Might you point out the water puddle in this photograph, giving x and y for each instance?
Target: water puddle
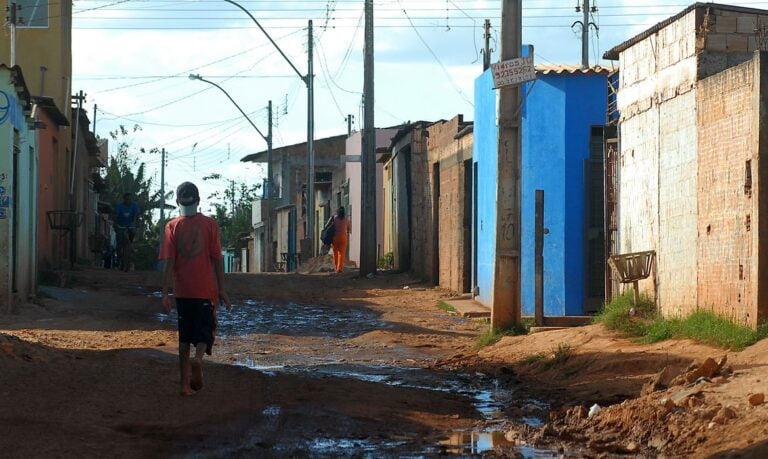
(489, 399)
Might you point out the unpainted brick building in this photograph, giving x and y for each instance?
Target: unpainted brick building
(689, 124)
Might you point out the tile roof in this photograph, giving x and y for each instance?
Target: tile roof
(571, 70)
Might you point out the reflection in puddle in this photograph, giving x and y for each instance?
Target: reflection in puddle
(473, 442)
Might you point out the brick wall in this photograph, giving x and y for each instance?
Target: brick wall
(447, 151)
(727, 204)
(677, 187)
(421, 206)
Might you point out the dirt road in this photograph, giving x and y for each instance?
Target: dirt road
(306, 365)
(325, 365)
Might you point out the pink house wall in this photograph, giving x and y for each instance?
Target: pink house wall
(353, 148)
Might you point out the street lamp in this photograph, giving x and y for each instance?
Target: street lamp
(267, 138)
(309, 81)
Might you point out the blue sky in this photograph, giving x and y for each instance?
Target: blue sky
(132, 58)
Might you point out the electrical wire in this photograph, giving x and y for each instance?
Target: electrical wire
(447, 74)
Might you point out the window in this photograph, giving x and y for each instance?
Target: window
(323, 177)
(32, 13)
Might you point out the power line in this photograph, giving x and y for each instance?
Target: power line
(447, 74)
(186, 72)
(148, 77)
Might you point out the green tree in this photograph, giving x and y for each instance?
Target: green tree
(232, 209)
(127, 174)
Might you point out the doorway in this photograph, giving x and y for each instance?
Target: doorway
(466, 227)
(436, 223)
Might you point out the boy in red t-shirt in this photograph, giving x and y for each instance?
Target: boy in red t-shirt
(192, 252)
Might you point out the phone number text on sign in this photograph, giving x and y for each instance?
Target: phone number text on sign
(513, 72)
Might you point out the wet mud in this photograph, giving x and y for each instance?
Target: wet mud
(268, 337)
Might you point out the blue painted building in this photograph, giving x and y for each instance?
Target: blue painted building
(563, 118)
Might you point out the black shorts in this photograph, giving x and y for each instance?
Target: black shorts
(197, 322)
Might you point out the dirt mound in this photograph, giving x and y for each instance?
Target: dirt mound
(13, 348)
(682, 413)
(321, 264)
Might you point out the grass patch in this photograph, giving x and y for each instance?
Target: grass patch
(445, 306)
(644, 322)
(493, 335)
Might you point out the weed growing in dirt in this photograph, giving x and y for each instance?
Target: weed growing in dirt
(561, 354)
(533, 358)
(445, 306)
(702, 326)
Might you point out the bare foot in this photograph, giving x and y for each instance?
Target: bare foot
(186, 392)
(196, 380)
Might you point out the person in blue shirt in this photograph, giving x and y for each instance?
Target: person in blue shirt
(126, 216)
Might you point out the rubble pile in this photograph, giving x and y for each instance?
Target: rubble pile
(672, 416)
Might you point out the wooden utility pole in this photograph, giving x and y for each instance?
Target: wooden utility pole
(368, 160)
(506, 309)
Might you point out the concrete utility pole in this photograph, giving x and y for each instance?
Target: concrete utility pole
(309, 80)
(585, 9)
(95, 112)
(13, 21)
(585, 35)
(487, 49)
(310, 236)
(80, 98)
(269, 191)
(506, 310)
(368, 161)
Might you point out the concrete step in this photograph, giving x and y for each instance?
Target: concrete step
(469, 308)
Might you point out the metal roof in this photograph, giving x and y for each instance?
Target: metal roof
(613, 54)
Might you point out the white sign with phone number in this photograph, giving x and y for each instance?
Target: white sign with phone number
(513, 72)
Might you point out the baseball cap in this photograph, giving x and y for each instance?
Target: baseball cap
(187, 197)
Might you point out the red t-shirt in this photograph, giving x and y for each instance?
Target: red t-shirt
(194, 245)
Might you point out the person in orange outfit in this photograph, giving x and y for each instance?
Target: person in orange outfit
(340, 238)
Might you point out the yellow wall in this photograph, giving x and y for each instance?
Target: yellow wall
(50, 47)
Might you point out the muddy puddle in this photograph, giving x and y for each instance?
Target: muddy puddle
(250, 323)
(487, 397)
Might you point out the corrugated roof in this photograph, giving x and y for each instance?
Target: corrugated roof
(613, 54)
(571, 70)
